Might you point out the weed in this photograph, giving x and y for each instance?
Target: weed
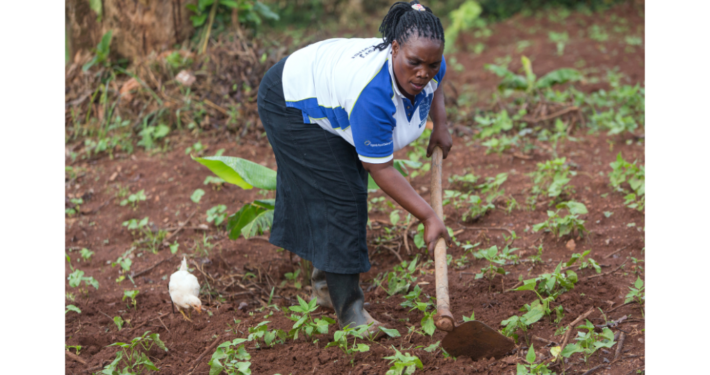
(292, 277)
(584, 261)
(589, 342)
(132, 294)
(151, 134)
(403, 364)
(305, 323)
(197, 195)
(551, 284)
(235, 358)
(76, 277)
(132, 356)
(70, 296)
(515, 323)
(133, 199)
(400, 278)
(495, 260)
(72, 308)
(102, 51)
(217, 214)
(597, 33)
(552, 177)
(86, 254)
(511, 204)
(561, 226)
(216, 182)
(635, 176)
(119, 322)
(529, 83)
(203, 249)
(76, 348)
(467, 180)
(531, 368)
(636, 292)
(537, 258)
(270, 338)
(198, 148)
(340, 340)
(560, 40)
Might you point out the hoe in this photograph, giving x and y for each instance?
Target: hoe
(473, 339)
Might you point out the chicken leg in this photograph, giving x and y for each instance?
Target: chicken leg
(183, 315)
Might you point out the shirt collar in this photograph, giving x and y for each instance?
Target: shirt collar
(395, 88)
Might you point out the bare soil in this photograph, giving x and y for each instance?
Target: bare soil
(170, 178)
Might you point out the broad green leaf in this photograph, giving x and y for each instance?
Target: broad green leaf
(394, 217)
(119, 322)
(428, 325)
(639, 283)
(535, 314)
(389, 332)
(197, 195)
(555, 351)
(253, 217)
(75, 278)
(571, 349)
(73, 308)
(559, 76)
(528, 285)
(530, 357)
(576, 208)
(241, 172)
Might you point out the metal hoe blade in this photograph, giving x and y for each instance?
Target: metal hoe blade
(476, 340)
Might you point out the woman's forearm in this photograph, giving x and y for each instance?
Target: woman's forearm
(397, 187)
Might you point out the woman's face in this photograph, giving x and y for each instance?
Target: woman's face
(416, 62)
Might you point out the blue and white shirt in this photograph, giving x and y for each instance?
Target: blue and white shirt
(348, 88)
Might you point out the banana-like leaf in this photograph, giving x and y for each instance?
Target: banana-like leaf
(254, 217)
(241, 172)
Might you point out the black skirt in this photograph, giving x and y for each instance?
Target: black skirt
(321, 186)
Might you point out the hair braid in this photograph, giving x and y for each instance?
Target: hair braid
(402, 20)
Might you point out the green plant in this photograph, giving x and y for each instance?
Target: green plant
(531, 368)
(197, 147)
(560, 40)
(254, 217)
(72, 308)
(102, 51)
(305, 323)
(132, 294)
(76, 277)
(77, 348)
(636, 292)
(270, 338)
(561, 226)
(235, 358)
(552, 177)
(217, 214)
(133, 199)
(635, 176)
(462, 19)
(589, 342)
(529, 83)
(151, 134)
(400, 278)
(514, 324)
(197, 195)
(551, 284)
(584, 261)
(537, 258)
(86, 254)
(598, 34)
(132, 356)
(292, 277)
(496, 261)
(119, 322)
(403, 364)
(340, 340)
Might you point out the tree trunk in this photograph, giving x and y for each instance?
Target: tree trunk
(139, 26)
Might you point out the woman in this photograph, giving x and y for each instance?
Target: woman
(335, 111)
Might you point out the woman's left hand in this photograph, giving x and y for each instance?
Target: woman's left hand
(439, 137)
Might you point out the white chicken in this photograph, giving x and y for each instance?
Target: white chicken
(185, 290)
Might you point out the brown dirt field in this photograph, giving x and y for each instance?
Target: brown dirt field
(170, 178)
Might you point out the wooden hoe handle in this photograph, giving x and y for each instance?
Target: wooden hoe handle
(443, 319)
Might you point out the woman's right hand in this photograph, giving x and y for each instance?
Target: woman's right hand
(434, 228)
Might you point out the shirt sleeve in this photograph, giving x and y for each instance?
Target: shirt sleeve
(372, 120)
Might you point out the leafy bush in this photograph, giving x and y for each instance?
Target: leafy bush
(230, 357)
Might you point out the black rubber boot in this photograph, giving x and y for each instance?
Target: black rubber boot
(320, 288)
(348, 301)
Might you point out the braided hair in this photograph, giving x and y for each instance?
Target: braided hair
(403, 19)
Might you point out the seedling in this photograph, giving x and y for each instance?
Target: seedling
(215, 182)
(560, 40)
(495, 260)
(531, 368)
(552, 178)
(623, 171)
(198, 148)
(72, 308)
(400, 278)
(305, 323)
(551, 284)
(86, 254)
(77, 202)
(197, 195)
(589, 342)
(76, 348)
(119, 322)
(515, 323)
(537, 258)
(132, 294)
(124, 261)
(293, 277)
(132, 356)
(217, 214)
(637, 292)
(584, 262)
(235, 358)
(76, 277)
(340, 339)
(403, 364)
(561, 226)
(133, 199)
(270, 338)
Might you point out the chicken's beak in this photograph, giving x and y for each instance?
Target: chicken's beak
(199, 309)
